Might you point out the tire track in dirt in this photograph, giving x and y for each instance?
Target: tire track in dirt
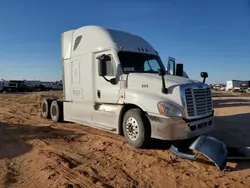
(12, 175)
(104, 157)
(86, 168)
(59, 166)
(78, 164)
(105, 150)
(63, 165)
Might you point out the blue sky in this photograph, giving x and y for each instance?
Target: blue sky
(212, 35)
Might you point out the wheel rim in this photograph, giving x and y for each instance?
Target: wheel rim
(54, 111)
(132, 128)
(44, 108)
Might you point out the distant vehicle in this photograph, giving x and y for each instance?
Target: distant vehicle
(29, 85)
(116, 81)
(248, 90)
(2, 84)
(244, 88)
(15, 86)
(235, 85)
(222, 88)
(216, 87)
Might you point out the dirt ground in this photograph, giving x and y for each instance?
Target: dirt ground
(35, 155)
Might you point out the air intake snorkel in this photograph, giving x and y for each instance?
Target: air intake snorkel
(162, 73)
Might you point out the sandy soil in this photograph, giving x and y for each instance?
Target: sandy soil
(34, 154)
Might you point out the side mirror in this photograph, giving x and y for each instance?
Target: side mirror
(102, 68)
(204, 75)
(179, 69)
(171, 66)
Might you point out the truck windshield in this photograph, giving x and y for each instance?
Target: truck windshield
(139, 62)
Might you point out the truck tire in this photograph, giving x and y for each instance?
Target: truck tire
(56, 111)
(136, 128)
(45, 108)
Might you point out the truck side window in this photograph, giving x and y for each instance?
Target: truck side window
(110, 63)
(77, 41)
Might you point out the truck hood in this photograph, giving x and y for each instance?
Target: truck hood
(150, 81)
(144, 90)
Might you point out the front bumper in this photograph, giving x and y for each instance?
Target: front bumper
(176, 128)
(210, 147)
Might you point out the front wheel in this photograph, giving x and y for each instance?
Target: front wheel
(136, 128)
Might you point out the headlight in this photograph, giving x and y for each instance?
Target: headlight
(167, 109)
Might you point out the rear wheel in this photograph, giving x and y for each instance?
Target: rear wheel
(45, 108)
(56, 111)
(136, 128)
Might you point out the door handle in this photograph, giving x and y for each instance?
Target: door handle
(98, 93)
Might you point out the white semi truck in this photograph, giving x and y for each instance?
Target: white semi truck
(116, 81)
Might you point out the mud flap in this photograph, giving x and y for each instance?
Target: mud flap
(210, 147)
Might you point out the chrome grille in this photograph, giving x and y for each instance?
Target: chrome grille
(198, 101)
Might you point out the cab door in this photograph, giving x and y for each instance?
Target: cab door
(105, 90)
